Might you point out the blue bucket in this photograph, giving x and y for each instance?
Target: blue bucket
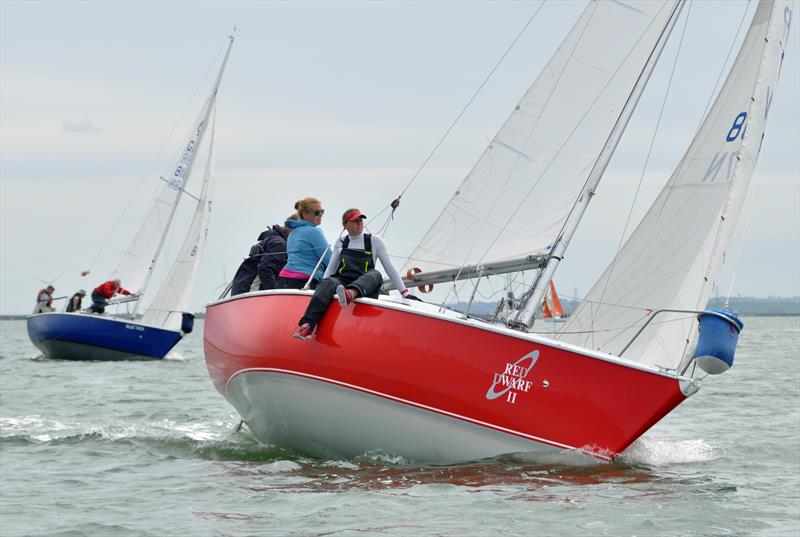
(716, 344)
(187, 323)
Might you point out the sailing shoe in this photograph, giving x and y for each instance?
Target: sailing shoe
(344, 296)
(305, 332)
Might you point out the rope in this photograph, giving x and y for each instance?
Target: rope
(396, 202)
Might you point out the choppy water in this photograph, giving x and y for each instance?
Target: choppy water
(138, 449)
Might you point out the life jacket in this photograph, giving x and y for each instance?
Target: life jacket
(353, 263)
(70, 304)
(44, 294)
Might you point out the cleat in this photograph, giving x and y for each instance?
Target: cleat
(305, 332)
(344, 296)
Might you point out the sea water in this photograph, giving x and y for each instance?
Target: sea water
(150, 449)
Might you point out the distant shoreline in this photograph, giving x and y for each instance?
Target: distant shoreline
(743, 306)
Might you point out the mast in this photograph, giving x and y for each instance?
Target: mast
(539, 288)
(183, 168)
(172, 298)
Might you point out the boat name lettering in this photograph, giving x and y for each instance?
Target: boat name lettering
(134, 327)
(512, 380)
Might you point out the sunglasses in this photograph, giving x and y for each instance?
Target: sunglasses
(319, 212)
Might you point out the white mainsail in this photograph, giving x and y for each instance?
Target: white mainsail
(675, 254)
(136, 266)
(175, 293)
(518, 196)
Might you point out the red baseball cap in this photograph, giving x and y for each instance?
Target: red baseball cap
(351, 215)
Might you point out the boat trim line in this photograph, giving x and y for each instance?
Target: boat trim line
(412, 404)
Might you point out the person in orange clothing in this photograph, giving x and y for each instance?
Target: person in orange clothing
(104, 292)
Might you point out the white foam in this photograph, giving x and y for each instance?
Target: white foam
(666, 452)
(25, 425)
(280, 467)
(175, 355)
(342, 464)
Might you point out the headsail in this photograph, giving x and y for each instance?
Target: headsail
(673, 257)
(516, 199)
(137, 264)
(175, 293)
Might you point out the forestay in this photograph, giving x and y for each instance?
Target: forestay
(175, 293)
(514, 202)
(675, 254)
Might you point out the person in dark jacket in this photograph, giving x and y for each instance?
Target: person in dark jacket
(75, 301)
(259, 271)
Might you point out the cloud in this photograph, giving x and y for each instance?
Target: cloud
(82, 126)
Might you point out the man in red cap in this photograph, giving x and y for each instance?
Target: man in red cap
(351, 272)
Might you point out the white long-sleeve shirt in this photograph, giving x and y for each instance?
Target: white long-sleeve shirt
(378, 251)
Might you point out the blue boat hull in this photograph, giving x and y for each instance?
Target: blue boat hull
(78, 336)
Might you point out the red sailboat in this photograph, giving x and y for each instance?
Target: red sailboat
(437, 385)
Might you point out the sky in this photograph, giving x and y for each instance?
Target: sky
(338, 100)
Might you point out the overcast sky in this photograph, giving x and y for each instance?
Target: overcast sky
(338, 100)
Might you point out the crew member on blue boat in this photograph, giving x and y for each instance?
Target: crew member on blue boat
(351, 273)
(259, 271)
(75, 301)
(309, 251)
(105, 292)
(44, 300)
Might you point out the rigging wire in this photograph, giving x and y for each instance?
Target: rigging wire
(546, 169)
(593, 314)
(395, 203)
(745, 232)
(145, 178)
(649, 154)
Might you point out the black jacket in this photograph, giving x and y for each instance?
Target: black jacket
(267, 258)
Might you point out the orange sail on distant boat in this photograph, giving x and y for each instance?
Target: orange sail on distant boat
(552, 305)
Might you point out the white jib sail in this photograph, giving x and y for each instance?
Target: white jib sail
(675, 254)
(175, 293)
(516, 199)
(137, 263)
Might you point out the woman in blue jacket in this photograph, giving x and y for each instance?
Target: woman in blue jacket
(306, 245)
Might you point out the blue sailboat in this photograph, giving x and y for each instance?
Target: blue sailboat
(88, 336)
(80, 336)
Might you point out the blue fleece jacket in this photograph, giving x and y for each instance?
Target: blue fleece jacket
(306, 244)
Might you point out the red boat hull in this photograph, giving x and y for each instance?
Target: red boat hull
(512, 386)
